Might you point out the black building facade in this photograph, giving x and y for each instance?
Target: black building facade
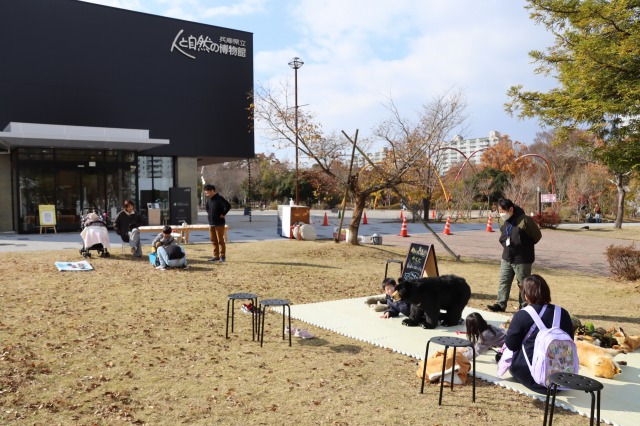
(98, 104)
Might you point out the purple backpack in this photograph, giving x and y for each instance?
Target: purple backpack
(554, 351)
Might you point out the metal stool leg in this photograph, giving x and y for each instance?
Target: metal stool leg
(289, 308)
(262, 314)
(424, 368)
(546, 405)
(283, 324)
(442, 374)
(453, 369)
(254, 307)
(233, 313)
(553, 403)
(474, 373)
(598, 408)
(226, 335)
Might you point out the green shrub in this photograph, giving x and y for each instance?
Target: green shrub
(624, 262)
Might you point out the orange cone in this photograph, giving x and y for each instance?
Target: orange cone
(364, 219)
(401, 217)
(326, 221)
(489, 225)
(433, 214)
(447, 226)
(403, 231)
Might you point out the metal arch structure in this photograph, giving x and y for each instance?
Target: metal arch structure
(546, 162)
(467, 161)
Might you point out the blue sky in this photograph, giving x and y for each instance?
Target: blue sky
(360, 53)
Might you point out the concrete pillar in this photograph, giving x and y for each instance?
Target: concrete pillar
(6, 214)
(186, 176)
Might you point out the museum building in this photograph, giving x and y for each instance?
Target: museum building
(99, 104)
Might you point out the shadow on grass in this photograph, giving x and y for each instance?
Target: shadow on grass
(303, 265)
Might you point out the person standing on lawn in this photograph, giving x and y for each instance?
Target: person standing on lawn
(217, 208)
(518, 236)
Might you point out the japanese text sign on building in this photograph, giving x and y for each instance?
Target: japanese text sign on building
(189, 45)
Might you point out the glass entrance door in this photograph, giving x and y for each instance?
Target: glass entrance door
(68, 201)
(78, 192)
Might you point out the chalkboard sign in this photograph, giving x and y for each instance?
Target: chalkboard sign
(421, 261)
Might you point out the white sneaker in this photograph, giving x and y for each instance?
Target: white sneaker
(161, 268)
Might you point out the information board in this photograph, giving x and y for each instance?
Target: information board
(420, 262)
(180, 205)
(47, 215)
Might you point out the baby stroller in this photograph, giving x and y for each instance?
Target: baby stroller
(95, 236)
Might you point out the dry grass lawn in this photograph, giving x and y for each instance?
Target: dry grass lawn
(129, 344)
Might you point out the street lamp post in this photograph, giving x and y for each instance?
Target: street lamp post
(296, 63)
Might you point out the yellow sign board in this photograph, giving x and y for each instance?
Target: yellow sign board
(47, 215)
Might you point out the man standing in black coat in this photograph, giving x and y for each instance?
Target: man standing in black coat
(217, 208)
(518, 235)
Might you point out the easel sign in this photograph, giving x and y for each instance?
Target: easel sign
(47, 215)
(420, 262)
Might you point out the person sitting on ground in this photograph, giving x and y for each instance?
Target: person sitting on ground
(482, 335)
(163, 239)
(394, 308)
(126, 226)
(536, 293)
(171, 256)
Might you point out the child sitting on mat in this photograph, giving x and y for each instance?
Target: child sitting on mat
(394, 308)
(482, 335)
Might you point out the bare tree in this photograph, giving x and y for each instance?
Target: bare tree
(409, 145)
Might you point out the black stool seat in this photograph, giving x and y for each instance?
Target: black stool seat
(231, 300)
(573, 382)
(447, 342)
(263, 307)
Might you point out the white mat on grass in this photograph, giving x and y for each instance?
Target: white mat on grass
(620, 398)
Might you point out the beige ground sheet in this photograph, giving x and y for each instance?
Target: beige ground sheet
(352, 318)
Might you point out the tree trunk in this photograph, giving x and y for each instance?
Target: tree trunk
(620, 186)
(426, 206)
(358, 209)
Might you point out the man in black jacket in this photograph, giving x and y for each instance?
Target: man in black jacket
(217, 208)
(518, 235)
(126, 225)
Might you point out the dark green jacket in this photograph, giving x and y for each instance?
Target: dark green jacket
(523, 234)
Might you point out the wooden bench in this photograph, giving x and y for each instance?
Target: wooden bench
(183, 230)
(186, 229)
(177, 233)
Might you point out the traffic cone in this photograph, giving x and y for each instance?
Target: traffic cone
(364, 219)
(489, 225)
(433, 214)
(403, 231)
(447, 226)
(401, 217)
(339, 214)
(326, 221)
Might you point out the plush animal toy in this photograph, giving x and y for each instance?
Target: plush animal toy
(626, 342)
(377, 303)
(599, 360)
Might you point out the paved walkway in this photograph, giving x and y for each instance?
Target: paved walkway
(557, 249)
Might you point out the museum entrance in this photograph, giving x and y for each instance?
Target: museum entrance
(76, 182)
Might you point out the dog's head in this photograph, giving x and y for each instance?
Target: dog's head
(605, 367)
